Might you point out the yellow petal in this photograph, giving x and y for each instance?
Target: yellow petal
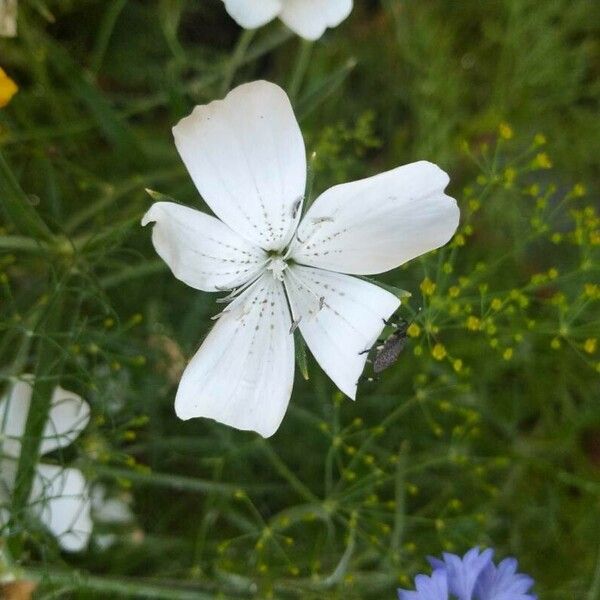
(8, 88)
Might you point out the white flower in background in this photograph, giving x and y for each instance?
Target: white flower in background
(8, 18)
(246, 156)
(59, 496)
(109, 512)
(308, 18)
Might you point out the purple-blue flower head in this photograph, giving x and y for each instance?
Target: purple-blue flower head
(472, 577)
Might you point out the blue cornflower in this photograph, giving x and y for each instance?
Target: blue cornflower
(472, 577)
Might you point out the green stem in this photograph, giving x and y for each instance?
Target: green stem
(400, 510)
(178, 482)
(107, 26)
(114, 587)
(594, 591)
(150, 267)
(299, 71)
(237, 59)
(17, 207)
(18, 242)
(287, 474)
(43, 386)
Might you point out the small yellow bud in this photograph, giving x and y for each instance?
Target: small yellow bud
(457, 365)
(539, 139)
(590, 345)
(506, 132)
(508, 354)
(542, 161)
(439, 352)
(473, 323)
(413, 330)
(427, 287)
(496, 304)
(555, 344)
(474, 204)
(454, 291)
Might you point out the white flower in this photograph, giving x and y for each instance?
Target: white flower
(246, 156)
(308, 18)
(59, 496)
(8, 18)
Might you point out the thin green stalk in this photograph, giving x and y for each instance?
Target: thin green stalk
(178, 482)
(16, 205)
(107, 26)
(18, 243)
(150, 267)
(302, 60)
(400, 510)
(114, 193)
(167, 590)
(48, 364)
(287, 474)
(594, 591)
(237, 59)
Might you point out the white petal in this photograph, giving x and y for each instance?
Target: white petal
(242, 375)
(68, 417)
(200, 250)
(109, 509)
(376, 224)
(310, 18)
(251, 14)
(60, 499)
(340, 316)
(246, 156)
(14, 408)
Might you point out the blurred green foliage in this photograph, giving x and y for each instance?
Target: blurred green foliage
(487, 431)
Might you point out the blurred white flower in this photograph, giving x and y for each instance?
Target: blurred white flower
(246, 156)
(8, 18)
(59, 496)
(112, 513)
(308, 18)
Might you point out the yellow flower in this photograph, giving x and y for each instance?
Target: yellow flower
(473, 323)
(505, 131)
(439, 352)
(542, 161)
(427, 287)
(8, 88)
(590, 345)
(413, 330)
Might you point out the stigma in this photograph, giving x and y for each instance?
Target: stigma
(277, 266)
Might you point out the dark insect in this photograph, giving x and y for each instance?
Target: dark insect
(388, 351)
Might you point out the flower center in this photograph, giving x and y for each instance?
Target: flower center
(277, 266)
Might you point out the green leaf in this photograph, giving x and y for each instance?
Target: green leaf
(300, 349)
(159, 196)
